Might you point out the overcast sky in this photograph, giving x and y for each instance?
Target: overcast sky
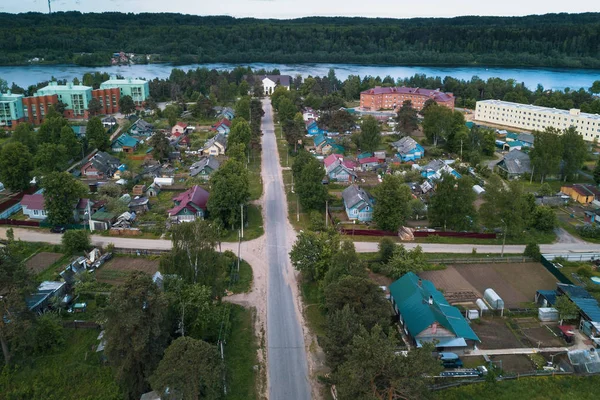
(300, 8)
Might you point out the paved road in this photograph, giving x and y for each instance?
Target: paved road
(288, 370)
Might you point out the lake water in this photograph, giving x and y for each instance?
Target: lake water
(549, 78)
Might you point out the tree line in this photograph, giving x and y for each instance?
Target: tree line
(553, 40)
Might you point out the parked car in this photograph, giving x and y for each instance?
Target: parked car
(58, 229)
(451, 360)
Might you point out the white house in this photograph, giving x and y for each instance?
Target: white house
(271, 81)
(33, 206)
(215, 146)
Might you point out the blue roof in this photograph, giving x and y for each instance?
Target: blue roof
(412, 294)
(126, 141)
(319, 139)
(583, 299)
(549, 295)
(365, 155)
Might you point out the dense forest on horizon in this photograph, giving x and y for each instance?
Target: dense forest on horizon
(552, 40)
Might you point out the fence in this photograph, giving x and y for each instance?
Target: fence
(80, 325)
(500, 378)
(375, 232)
(482, 260)
(554, 271)
(10, 211)
(16, 222)
(140, 252)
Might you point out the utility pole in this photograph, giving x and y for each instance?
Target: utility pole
(297, 208)
(242, 224)
(503, 239)
(326, 214)
(49, 6)
(531, 179)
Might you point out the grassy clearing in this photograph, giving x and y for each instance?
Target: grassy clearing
(256, 184)
(254, 229)
(315, 317)
(51, 273)
(550, 388)
(240, 355)
(244, 282)
(73, 372)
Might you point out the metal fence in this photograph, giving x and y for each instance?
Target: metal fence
(482, 260)
(505, 377)
(554, 271)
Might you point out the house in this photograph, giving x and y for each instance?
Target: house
(332, 159)
(141, 128)
(312, 128)
(205, 167)
(325, 145)
(435, 168)
(223, 127)
(358, 204)
(153, 190)
(33, 206)
(82, 208)
(138, 190)
(514, 164)
(181, 128)
(582, 193)
(79, 130)
(102, 220)
(125, 144)
(270, 82)
(426, 316)
(338, 172)
(47, 291)
(72, 272)
(368, 163)
(308, 114)
(139, 205)
(407, 149)
(215, 146)
(526, 138)
(100, 166)
(189, 205)
(124, 221)
(109, 122)
(224, 112)
(152, 171)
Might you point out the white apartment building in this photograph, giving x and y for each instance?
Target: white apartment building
(536, 118)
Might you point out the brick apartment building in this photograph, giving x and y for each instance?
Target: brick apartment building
(389, 98)
(109, 99)
(36, 107)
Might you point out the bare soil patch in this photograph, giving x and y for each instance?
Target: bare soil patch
(495, 334)
(41, 261)
(455, 287)
(116, 271)
(514, 363)
(537, 333)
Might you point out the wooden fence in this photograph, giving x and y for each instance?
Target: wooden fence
(17, 222)
(375, 232)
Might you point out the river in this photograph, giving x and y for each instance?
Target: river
(549, 78)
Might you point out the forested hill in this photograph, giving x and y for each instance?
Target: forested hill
(553, 40)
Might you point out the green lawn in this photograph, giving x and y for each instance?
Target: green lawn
(51, 273)
(256, 185)
(240, 355)
(547, 388)
(315, 316)
(254, 229)
(72, 372)
(244, 282)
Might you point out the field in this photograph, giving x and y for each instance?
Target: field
(515, 283)
(115, 271)
(41, 261)
(494, 333)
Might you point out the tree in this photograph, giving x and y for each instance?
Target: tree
(96, 135)
(374, 369)
(230, 189)
(370, 134)
(532, 250)
(595, 87)
(312, 194)
(69, 140)
(345, 262)
(203, 108)
(597, 172)
(242, 107)
(160, 146)
(126, 105)
(407, 118)
(544, 219)
(404, 261)
(16, 165)
(198, 314)
(135, 331)
(312, 253)
(574, 152)
(427, 105)
(566, 308)
(546, 153)
(545, 190)
(24, 134)
(50, 158)
(340, 329)
(172, 113)
(61, 192)
(75, 241)
(392, 199)
(50, 130)
(237, 151)
(451, 206)
(437, 123)
(94, 106)
(294, 131)
(386, 249)
(286, 109)
(190, 369)
(240, 132)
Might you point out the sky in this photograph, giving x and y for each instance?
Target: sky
(300, 8)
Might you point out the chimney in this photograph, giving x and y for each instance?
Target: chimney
(430, 300)
(420, 282)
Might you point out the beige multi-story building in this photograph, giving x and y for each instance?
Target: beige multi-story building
(536, 118)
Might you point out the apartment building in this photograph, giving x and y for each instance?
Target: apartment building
(76, 98)
(391, 98)
(536, 118)
(11, 110)
(138, 89)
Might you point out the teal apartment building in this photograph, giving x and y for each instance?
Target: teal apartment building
(138, 89)
(11, 109)
(76, 97)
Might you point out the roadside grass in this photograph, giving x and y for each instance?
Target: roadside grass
(73, 372)
(240, 355)
(315, 316)
(244, 282)
(254, 170)
(255, 228)
(547, 387)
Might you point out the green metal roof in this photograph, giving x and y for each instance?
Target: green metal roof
(364, 155)
(126, 141)
(102, 216)
(412, 301)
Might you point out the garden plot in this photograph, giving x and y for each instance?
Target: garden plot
(116, 271)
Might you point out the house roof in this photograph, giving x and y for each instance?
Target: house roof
(526, 138)
(413, 296)
(138, 201)
(195, 195)
(33, 201)
(516, 162)
(585, 190)
(332, 159)
(339, 164)
(354, 195)
(109, 120)
(210, 162)
(126, 141)
(434, 165)
(224, 121)
(436, 94)
(364, 155)
(583, 299)
(218, 138)
(284, 80)
(104, 162)
(82, 204)
(181, 124)
(368, 160)
(405, 145)
(103, 216)
(318, 139)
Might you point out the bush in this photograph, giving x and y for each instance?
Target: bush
(585, 272)
(386, 249)
(75, 241)
(317, 222)
(532, 250)
(588, 231)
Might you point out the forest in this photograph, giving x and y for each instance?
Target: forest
(552, 40)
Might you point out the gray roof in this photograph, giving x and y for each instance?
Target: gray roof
(526, 137)
(104, 162)
(109, 119)
(210, 162)
(339, 163)
(284, 80)
(405, 145)
(354, 195)
(434, 165)
(143, 125)
(516, 162)
(218, 138)
(138, 201)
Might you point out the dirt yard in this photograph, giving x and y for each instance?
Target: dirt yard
(115, 271)
(41, 261)
(516, 363)
(537, 333)
(495, 334)
(515, 283)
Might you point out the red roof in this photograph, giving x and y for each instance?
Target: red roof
(349, 164)
(434, 94)
(586, 190)
(224, 121)
(567, 330)
(195, 195)
(182, 124)
(369, 160)
(33, 201)
(331, 159)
